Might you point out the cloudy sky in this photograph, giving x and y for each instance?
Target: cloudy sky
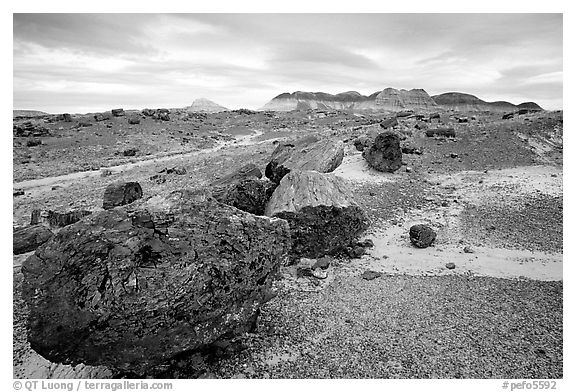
(91, 62)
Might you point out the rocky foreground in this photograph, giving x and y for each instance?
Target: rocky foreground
(482, 300)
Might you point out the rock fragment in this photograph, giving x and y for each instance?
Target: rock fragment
(29, 238)
(384, 154)
(323, 218)
(370, 275)
(131, 289)
(307, 153)
(121, 193)
(422, 236)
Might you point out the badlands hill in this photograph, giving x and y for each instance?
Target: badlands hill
(390, 99)
(203, 105)
(468, 102)
(387, 99)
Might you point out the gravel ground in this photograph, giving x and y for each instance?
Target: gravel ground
(395, 326)
(19, 340)
(407, 327)
(531, 222)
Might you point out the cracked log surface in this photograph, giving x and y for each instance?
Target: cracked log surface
(57, 219)
(26, 239)
(132, 287)
(244, 189)
(319, 207)
(307, 153)
(384, 154)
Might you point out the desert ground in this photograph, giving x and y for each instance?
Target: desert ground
(494, 190)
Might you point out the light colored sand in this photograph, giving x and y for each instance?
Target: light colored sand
(355, 168)
(524, 179)
(34, 366)
(393, 253)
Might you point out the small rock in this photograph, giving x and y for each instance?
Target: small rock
(130, 152)
(468, 249)
(370, 275)
(102, 116)
(319, 274)
(450, 265)
(389, 123)
(367, 243)
(18, 192)
(422, 236)
(453, 155)
(118, 112)
(322, 263)
(408, 169)
(121, 193)
(158, 178)
(306, 263)
(179, 170)
(355, 252)
(33, 142)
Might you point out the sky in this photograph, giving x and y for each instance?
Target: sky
(81, 63)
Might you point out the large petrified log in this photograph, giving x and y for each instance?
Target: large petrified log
(121, 193)
(323, 218)
(384, 154)
(244, 189)
(132, 287)
(26, 239)
(307, 153)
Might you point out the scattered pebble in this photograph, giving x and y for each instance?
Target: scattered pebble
(450, 265)
(322, 263)
(370, 275)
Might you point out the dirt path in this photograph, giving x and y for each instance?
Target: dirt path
(44, 184)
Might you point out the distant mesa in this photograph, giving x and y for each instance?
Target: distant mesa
(389, 99)
(203, 105)
(467, 102)
(28, 113)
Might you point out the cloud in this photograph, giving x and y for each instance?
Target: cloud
(87, 33)
(310, 53)
(243, 60)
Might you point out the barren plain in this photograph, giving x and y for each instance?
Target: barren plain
(493, 194)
